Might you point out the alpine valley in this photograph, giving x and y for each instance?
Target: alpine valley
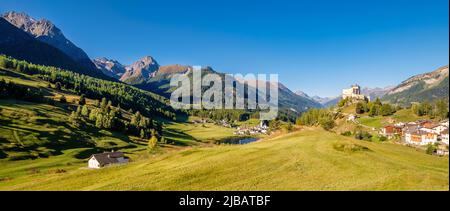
(69, 122)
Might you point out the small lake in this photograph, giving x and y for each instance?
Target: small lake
(240, 141)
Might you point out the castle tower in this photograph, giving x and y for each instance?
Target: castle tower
(356, 89)
(354, 92)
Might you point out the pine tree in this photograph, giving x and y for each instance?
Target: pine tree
(74, 118)
(99, 121)
(79, 110)
(103, 104)
(85, 111)
(82, 100)
(378, 102)
(58, 86)
(374, 110)
(441, 109)
(96, 103)
(62, 99)
(152, 143)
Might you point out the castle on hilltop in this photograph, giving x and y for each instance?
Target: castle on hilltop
(353, 93)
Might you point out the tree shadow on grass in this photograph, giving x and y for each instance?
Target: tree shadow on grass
(173, 135)
(59, 140)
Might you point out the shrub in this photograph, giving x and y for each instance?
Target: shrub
(363, 135)
(59, 171)
(431, 149)
(288, 127)
(327, 123)
(382, 138)
(34, 171)
(346, 133)
(360, 108)
(349, 147)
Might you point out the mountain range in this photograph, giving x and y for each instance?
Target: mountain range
(145, 73)
(423, 87)
(41, 42)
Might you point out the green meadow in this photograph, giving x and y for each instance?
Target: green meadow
(309, 159)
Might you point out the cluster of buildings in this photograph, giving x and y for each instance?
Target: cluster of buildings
(224, 123)
(199, 121)
(262, 128)
(420, 133)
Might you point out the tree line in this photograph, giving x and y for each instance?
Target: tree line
(375, 108)
(121, 94)
(317, 117)
(104, 115)
(9, 89)
(438, 109)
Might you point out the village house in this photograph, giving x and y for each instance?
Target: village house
(199, 121)
(391, 131)
(262, 128)
(420, 133)
(101, 160)
(224, 123)
(439, 128)
(442, 150)
(444, 136)
(351, 118)
(420, 137)
(425, 123)
(410, 127)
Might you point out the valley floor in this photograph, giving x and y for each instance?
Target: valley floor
(311, 159)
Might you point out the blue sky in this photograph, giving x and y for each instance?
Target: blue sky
(316, 46)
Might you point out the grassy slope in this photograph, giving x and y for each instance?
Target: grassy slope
(404, 115)
(189, 133)
(30, 130)
(305, 160)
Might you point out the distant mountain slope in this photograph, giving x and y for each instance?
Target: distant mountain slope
(45, 31)
(376, 92)
(330, 101)
(110, 67)
(290, 100)
(424, 87)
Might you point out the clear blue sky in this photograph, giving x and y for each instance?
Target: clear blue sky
(316, 46)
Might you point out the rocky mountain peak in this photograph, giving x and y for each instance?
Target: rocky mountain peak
(45, 31)
(110, 67)
(32, 26)
(140, 70)
(146, 63)
(302, 94)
